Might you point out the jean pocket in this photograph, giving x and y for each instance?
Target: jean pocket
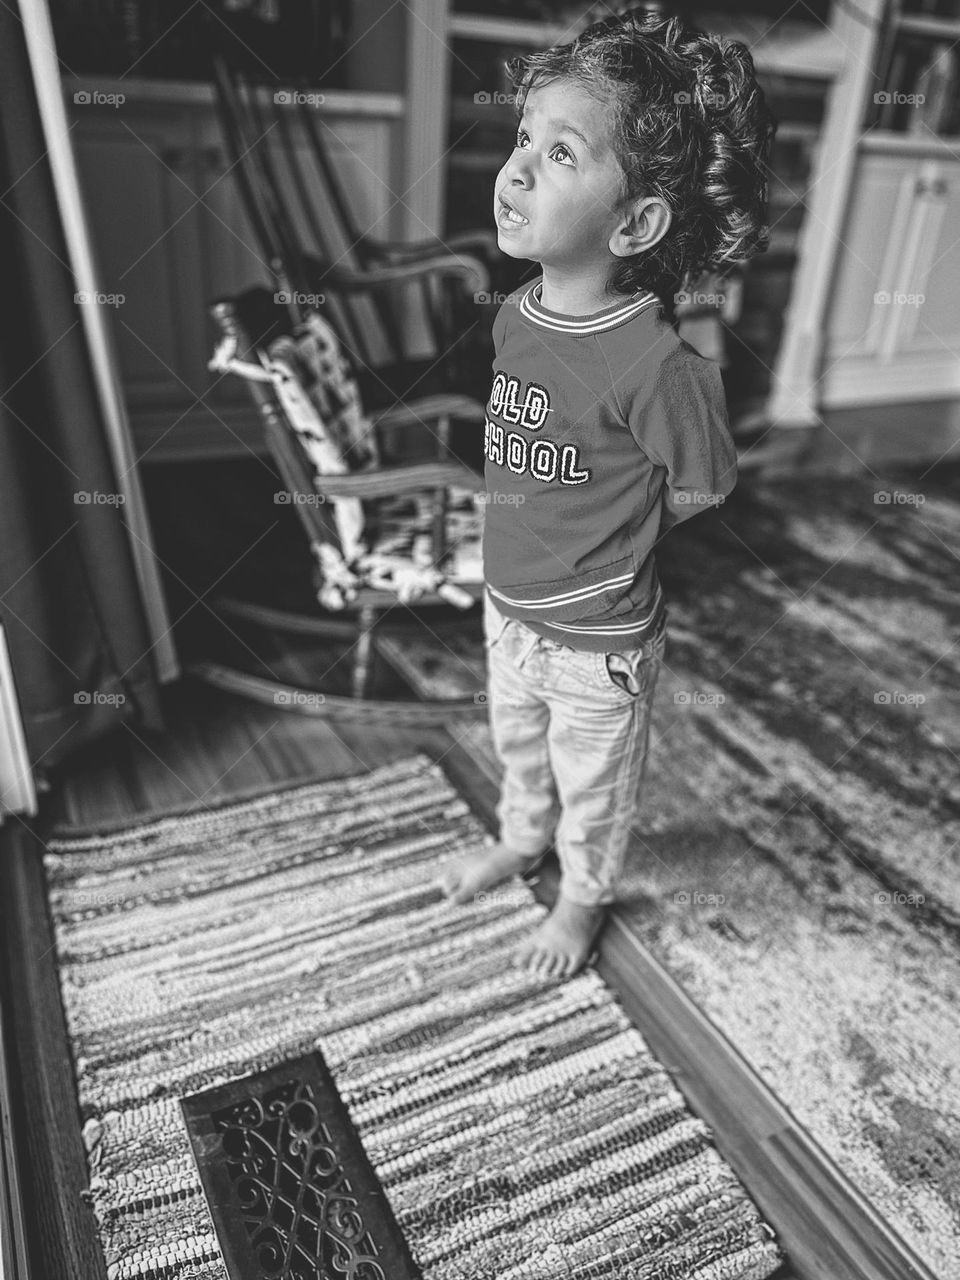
(628, 673)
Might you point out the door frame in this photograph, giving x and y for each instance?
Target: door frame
(41, 51)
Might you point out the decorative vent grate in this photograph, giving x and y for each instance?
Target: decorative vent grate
(290, 1189)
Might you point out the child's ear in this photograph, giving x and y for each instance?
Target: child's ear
(642, 225)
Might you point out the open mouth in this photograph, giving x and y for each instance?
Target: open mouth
(509, 216)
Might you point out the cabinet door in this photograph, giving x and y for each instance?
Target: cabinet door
(869, 260)
(135, 165)
(928, 321)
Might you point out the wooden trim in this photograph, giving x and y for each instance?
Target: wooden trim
(14, 1255)
(41, 51)
(336, 102)
(780, 48)
(799, 359)
(824, 1225)
(61, 1229)
(887, 142)
(919, 24)
(931, 376)
(17, 791)
(427, 112)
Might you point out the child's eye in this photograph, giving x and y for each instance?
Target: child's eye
(560, 146)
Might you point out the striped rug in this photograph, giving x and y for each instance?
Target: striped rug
(521, 1129)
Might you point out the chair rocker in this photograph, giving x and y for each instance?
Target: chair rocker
(381, 536)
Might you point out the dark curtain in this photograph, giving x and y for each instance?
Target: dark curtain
(69, 597)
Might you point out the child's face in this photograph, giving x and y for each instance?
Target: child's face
(566, 187)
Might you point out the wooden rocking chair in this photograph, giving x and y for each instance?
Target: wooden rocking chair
(382, 297)
(380, 535)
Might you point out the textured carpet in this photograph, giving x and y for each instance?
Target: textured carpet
(520, 1129)
(796, 865)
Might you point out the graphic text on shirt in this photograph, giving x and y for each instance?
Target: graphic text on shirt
(543, 459)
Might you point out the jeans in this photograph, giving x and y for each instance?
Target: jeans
(571, 730)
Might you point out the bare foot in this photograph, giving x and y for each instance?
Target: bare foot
(561, 945)
(474, 872)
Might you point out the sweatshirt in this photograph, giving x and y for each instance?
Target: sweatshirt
(602, 431)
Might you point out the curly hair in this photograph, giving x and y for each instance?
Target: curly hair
(690, 126)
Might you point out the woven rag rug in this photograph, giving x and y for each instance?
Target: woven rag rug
(519, 1128)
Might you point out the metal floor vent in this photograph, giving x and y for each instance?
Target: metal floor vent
(289, 1186)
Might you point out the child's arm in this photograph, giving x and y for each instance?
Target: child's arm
(684, 428)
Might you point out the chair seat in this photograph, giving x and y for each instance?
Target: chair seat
(401, 527)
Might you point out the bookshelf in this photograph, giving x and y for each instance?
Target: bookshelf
(168, 39)
(918, 71)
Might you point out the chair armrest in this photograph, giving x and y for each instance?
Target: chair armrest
(429, 409)
(485, 241)
(470, 271)
(384, 482)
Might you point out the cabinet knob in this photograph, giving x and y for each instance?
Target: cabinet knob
(931, 187)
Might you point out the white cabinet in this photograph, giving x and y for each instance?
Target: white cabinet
(893, 327)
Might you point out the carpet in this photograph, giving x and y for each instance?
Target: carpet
(520, 1129)
(797, 856)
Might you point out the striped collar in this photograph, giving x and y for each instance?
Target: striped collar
(583, 326)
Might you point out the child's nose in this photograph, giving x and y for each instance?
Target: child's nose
(518, 168)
